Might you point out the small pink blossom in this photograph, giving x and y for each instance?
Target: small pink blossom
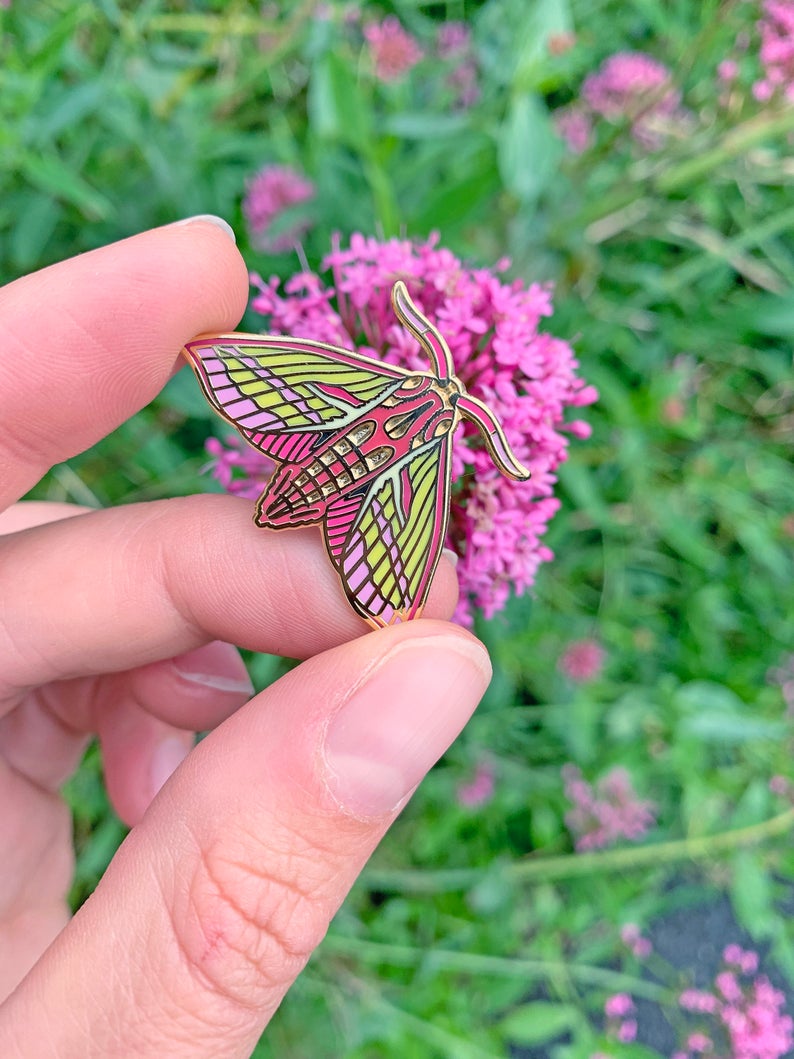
(698, 1000)
(574, 125)
(699, 1042)
(274, 189)
(454, 46)
(582, 661)
(453, 40)
(603, 814)
(632, 938)
(560, 43)
(627, 1031)
(636, 87)
(393, 51)
(618, 1006)
(479, 790)
(728, 70)
(780, 785)
(527, 377)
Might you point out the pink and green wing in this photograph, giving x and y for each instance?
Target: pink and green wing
(284, 394)
(386, 542)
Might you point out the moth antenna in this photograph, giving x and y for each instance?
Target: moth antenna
(493, 435)
(430, 339)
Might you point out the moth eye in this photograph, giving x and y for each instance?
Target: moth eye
(413, 383)
(443, 427)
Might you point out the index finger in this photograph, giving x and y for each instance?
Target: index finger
(86, 343)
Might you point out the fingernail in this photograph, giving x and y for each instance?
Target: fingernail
(216, 666)
(166, 759)
(450, 556)
(400, 720)
(209, 218)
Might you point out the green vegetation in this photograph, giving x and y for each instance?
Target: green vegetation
(478, 927)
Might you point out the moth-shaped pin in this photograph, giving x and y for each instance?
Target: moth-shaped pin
(364, 449)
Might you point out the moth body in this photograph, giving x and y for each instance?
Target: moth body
(420, 409)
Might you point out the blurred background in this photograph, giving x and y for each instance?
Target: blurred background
(602, 864)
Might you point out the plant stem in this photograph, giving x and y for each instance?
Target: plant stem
(576, 865)
(498, 966)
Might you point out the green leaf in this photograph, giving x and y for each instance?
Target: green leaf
(528, 148)
(35, 221)
(55, 177)
(751, 894)
(514, 38)
(715, 714)
(539, 1022)
(337, 108)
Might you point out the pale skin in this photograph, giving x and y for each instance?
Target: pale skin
(119, 623)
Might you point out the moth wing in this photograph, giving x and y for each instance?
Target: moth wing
(386, 541)
(286, 394)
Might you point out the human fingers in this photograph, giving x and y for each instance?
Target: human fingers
(29, 513)
(44, 736)
(117, 589)
(215, 901)
(88, 342)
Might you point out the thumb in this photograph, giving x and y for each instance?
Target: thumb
(215, 901)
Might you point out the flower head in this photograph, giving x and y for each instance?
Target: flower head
(575, 126)
(479, 789)
(274, 189)
(582, 661)
(632, 938)
(637, 87)
(527, 377)
(394, 51)
(606, 812)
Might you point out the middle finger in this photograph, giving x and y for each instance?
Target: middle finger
(117, 589)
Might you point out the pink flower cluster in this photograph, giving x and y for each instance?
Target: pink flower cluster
(628, 86)
(527, 377)
(274, 189)
(777, 51)
(393, 51)
(747, 1013)
(621, 1024)
(603, 814)
(582, 661)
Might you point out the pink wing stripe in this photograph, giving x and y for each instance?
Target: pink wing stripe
(340, 515)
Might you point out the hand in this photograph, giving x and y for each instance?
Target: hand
(118, 622)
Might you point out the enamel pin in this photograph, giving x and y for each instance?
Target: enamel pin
(363, 447)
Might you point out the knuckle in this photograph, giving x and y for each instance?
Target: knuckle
(246, 929)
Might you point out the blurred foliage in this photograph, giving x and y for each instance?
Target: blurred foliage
(673, 547)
